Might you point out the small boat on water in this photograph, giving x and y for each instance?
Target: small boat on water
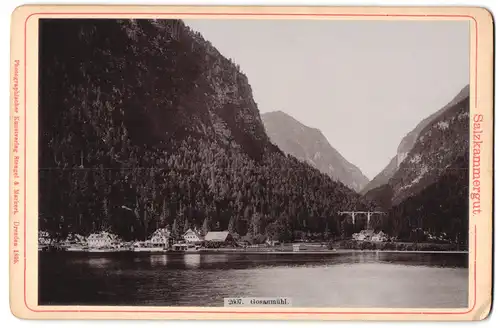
(185, 248)
(148, 247)
(112, 248)
(74, 246)
(108, 249)
(101, 250)
(77, 248)
(193, 249)
(50, 248)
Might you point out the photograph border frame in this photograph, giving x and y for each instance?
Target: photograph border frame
(482, 26)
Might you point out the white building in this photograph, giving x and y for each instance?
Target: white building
(44, 238)
(102, 240)
(192, 237)
(370, 235)
(378, 237)
(160, 238)
(363, 235)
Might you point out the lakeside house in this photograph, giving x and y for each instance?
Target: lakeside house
(442, 237)
(363, 235)
(370, 235)
(219, 238)
(380, 237)
(75, 238)
(102, 240)
(192, 237)
(44, 238)
(160, 238)
(74, 241)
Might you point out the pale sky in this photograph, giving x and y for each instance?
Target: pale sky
(364, 84)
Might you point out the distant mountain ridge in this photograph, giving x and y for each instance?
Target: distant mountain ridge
(310, 145)
(408, 142)
(425, 156)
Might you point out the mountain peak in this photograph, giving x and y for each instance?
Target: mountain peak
(280, 115)
(310, 145)
(277, 112)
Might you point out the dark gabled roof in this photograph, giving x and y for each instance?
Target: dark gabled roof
(217, 236)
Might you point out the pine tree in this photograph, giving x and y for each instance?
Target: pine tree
(255, 224)
(327, 233)
(164, 213)
(206, 227)
(231, 226)
(176, 229)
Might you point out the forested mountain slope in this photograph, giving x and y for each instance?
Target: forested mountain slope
(144, 124)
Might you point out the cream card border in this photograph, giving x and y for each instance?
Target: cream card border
(23, 161)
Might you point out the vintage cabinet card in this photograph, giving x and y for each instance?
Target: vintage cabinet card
(321, 163)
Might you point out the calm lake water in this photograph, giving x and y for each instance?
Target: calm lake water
(354, 279)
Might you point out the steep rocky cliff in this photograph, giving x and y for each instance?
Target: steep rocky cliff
(310, 145)
(157, 80)
(435, 150)
(408, 142)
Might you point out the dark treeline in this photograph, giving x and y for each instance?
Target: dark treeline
(441, 209)
(201, 185)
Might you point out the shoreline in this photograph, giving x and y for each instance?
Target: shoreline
(339, 251)
(270, 252)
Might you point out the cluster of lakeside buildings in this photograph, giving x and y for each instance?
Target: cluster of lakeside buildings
(161, 240)
(370, 235)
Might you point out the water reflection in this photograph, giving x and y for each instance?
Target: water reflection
(98, 262)
(158, 260)
(214, 259)
(192, 261)
(352, 279)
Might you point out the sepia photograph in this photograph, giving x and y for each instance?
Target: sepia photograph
(225, 162)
